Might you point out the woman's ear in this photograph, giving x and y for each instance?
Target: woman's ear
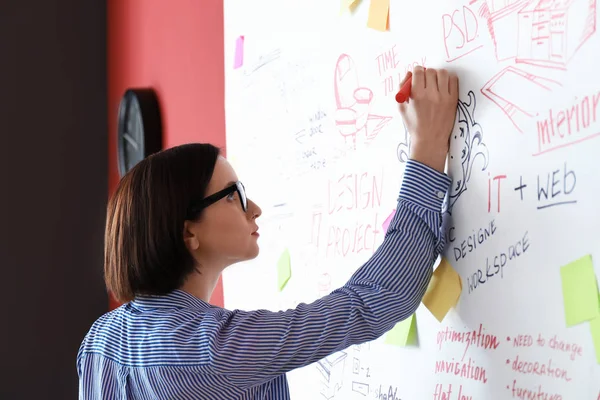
(189, 237)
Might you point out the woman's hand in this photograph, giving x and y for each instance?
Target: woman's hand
(429, 114)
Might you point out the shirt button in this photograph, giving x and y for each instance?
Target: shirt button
(440, 195)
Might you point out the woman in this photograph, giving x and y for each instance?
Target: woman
(180, 217)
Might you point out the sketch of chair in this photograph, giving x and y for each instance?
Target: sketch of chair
(353, 104)
(332, 370)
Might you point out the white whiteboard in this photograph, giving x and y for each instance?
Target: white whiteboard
(311, 114)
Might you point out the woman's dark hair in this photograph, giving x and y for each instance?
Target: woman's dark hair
(144, 250)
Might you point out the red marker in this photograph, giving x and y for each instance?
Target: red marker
(404, 92)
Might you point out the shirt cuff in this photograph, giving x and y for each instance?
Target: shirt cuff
(424, 186)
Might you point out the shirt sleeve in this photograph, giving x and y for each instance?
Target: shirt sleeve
(251, 347)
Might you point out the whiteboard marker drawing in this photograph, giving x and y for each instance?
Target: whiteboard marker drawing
(361, 371)
(361, 388)
(543, 33)
(502, 24)
(403, 150)
(354, 104)
(569, 125)
(519, 94)
(466, 145)
(461, 33)
(566, 31)
(332, 371)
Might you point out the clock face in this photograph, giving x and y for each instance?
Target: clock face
(139, 130)
(132, 136)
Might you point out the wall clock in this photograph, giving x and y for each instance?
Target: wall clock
(139, 131)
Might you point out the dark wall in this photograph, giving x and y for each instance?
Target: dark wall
(53, 193)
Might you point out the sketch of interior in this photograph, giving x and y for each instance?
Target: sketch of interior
(546, 33)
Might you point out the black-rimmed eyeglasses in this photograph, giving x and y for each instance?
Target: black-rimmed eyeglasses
(213, 198)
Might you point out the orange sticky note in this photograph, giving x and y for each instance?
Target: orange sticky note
(379, 12)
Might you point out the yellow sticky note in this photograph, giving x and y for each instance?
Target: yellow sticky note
(379, 11)
(404, 333)
(284, 269)
(580, 291)
(595, 328)
(443, 291)
(348, 5)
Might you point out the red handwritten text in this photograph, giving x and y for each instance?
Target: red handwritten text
(461, 33)
(475, 338)
(523, 341)
(539, 369)
(388, 64)
(353, 238)
(467, 370)
(388, 60)
(536, 393)
(566, 127)
(442, 393)
(573, 348)
(499, 179)
(355, 191)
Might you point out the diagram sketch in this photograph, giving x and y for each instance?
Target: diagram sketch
(519, 94)
(545, 33)
(361, 370)
(332, 372)
(357, 386)
(466, 145)
(362, 388)
(354, 118)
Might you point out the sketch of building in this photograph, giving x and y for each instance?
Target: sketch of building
(332, 371)
(545, 33)
(354, 117)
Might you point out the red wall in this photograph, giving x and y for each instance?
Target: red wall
(175, 47)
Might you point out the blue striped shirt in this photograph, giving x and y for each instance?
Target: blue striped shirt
(179, 347)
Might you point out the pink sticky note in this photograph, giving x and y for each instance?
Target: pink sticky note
(239, 53)
(388, 221)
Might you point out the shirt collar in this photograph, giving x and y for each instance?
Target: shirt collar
(176, 299)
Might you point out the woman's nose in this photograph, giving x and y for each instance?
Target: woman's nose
(254, 209)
